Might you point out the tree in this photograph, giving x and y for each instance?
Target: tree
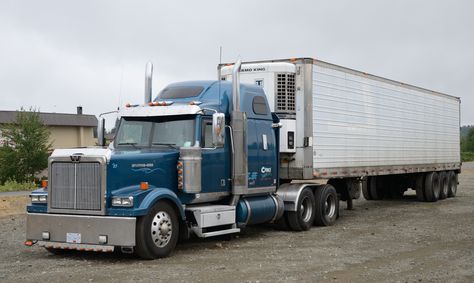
(25, 147)
(467, 142)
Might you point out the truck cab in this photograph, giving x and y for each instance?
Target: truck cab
(161, 173)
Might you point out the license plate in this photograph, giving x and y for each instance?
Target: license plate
(74, 238)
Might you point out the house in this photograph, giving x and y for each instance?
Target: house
(67, 130)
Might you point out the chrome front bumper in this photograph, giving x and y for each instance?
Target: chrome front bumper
(81, 229)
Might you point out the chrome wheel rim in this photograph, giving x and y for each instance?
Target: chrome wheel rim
(330, 206)
(161, 229)
(306, 209)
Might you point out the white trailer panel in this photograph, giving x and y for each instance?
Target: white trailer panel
(361, 120)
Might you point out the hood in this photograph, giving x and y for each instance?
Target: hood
(130, 167)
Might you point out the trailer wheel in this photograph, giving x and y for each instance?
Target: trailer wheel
(444, 185)
(432, 187)
(157, 232)
(452, 184)
(420, 187)
(302, 219)
(375, 189)
(366, 190)
(327, 205)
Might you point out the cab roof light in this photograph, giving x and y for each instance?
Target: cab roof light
(131, 105)
(195, 102)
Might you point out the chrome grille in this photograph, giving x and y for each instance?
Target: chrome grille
(285, 92)
(75, 186)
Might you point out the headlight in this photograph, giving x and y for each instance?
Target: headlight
(39, 198)
(122, 201)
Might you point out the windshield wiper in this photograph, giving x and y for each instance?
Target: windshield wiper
(172, 145)
(134, 144)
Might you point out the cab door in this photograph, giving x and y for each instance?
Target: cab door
(267, 167)
(215, 161)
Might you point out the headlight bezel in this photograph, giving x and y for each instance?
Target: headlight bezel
(122, 201)
(39, 198)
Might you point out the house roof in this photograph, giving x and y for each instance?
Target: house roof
(54, 119)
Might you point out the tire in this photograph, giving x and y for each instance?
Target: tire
(420, 187)
(157, 232)
(327, 205)
(443, 184)
(302, 219)
(375, 189)
(452, 184)
(432, 187)
(366, 190)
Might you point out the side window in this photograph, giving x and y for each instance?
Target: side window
(206, 133)
(259, 105)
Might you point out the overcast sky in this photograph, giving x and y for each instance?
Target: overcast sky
(55, 55)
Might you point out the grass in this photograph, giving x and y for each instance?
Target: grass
(11, 186)
(467, 156)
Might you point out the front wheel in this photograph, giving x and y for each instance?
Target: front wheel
(327, 205)
(157, 232)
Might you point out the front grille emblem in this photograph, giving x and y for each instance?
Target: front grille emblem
(75, 158)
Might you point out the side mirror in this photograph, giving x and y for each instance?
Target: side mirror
(101, 132)
(218, 129)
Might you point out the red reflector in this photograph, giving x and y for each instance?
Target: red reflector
(28, 243)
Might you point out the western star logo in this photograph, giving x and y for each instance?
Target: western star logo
(142, 165)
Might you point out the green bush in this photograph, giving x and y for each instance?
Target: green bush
(12, 186)
(467, 156)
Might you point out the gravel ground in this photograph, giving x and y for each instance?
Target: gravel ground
(380, 241)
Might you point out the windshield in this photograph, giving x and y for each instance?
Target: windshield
(155, 131)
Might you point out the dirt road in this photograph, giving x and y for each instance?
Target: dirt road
(380, 241)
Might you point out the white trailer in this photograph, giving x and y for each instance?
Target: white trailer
(343, 124)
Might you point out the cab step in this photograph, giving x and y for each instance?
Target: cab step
(213, 220)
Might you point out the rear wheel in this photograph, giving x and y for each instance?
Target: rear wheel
(158, 232)
(452, 184)
(365, 190)
(432, 187)
(444, 185)
(420, 187)
(375, 189)
(302, 219)
(327, 205)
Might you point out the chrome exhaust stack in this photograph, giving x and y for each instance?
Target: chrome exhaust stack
(148, 81)
(239, 133)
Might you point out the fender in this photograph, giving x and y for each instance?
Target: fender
(290, 193)
(155, 195)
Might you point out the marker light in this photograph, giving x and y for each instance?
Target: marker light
(179, 170)
(144, 186)
(44, 183)
(195, 102)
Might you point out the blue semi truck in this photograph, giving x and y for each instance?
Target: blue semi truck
(211, 157)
